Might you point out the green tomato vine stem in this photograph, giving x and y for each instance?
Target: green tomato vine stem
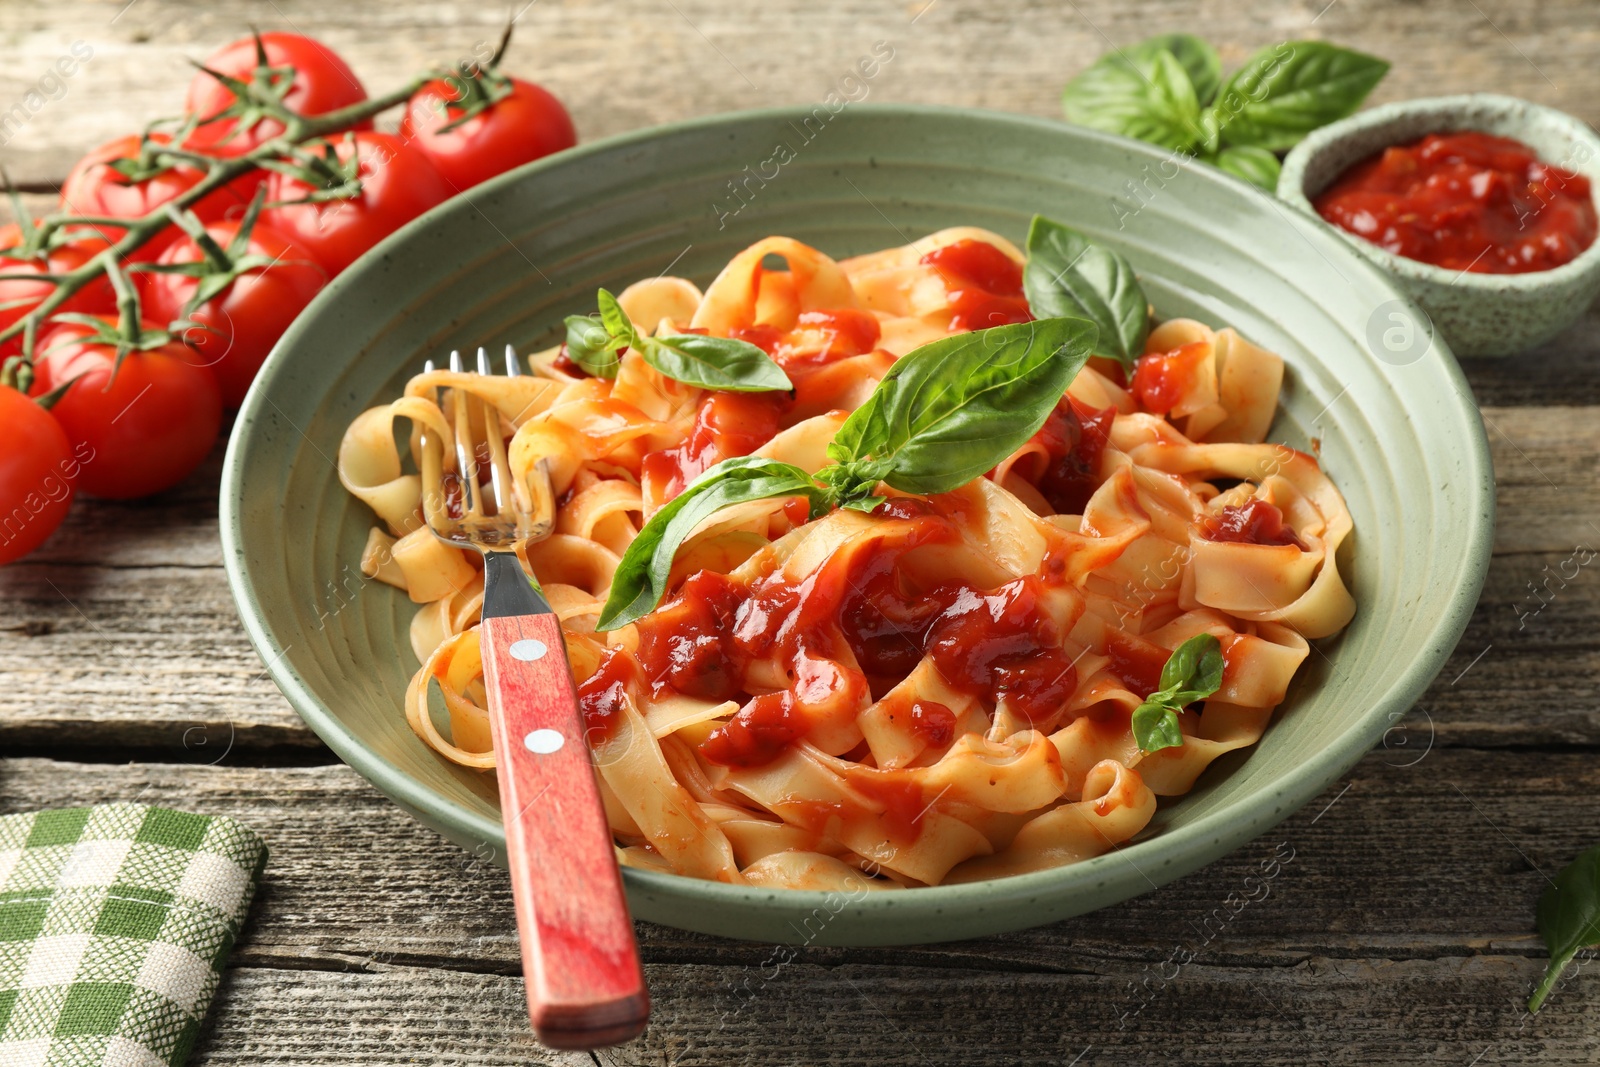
(138, 232)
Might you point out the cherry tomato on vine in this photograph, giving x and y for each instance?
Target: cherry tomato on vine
(307, 75)
(144, 429)
(397, 183)
(518, 123)
(37, 472)
(268, 280)
(96, 187)
(18, 296)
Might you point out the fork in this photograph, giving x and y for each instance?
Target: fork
(585, 986)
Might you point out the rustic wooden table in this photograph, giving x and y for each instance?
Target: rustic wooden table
(1400, 925)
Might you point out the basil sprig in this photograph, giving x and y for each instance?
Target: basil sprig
(1191, 673)
(1168, 90)
(1569, 918)
(596, 344)
(1067, 274)
(944, 414)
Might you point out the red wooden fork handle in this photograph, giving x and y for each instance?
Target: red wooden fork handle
(585, 987)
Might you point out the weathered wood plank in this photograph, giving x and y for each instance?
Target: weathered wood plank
(1419, 942)
(1319, 1010)
(697, 57)
(1467, 831)
(121, 631)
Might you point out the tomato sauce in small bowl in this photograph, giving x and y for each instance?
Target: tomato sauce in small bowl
(1466, 201)
(1480, 208)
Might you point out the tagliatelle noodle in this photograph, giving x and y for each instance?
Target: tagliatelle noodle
(820, 704)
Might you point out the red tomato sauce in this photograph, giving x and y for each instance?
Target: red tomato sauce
(702, 642)
(600, 696)
(1074, 438)
(985, 285)
(726, 425)
(1255, 522)
(1466, 201)
(1136, 661)
(1161, 378)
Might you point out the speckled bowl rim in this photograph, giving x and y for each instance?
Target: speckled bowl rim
(1291, 186)
(1171, 854)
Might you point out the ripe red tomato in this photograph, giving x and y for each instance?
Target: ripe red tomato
(238, 326)
(20, 296)
(321, 82)
(147, 427)
(37, 472)
(526, 125)
(397, 184)
(95, 188)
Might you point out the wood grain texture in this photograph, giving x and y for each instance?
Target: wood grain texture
(625, 66)
(1379, 939)
(585, 989)
(1372, 871)
(1318, 1010)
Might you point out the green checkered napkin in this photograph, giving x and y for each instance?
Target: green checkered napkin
(115, 922)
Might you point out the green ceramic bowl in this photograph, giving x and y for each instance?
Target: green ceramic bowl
(1477, 314)
(504, 262)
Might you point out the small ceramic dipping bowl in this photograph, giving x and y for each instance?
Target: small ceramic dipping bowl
(1477, 314)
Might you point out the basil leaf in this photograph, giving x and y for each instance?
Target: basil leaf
(590, 347)
(616, 321)
(1069, 275)
(1255, 165)
(714, 363)
(641, 578)
(1284, 92)
(1194, 671)
(1198, 59)
(1144, 93)
(952, 409)
(1155, 727)
(1569, 918)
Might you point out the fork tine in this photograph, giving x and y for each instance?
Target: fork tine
(499, 466)
(434, 511)
(483, 362)
(513, 365)
(466, 454)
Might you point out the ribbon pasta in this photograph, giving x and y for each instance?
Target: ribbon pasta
(936, 692)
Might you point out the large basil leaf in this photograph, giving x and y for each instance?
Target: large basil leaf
(1284, 92)
(714, 363)
(641, 578)
(1069, 275)
(1144, 93)
(950, 410)
(1569, 918)
(1255, 165)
